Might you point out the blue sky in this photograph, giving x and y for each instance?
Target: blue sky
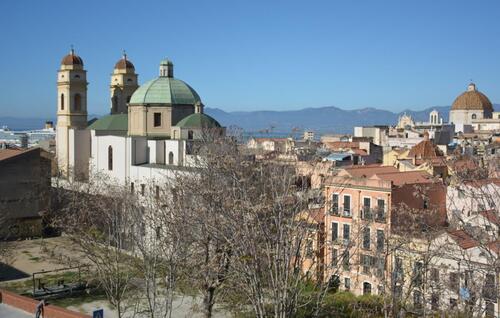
(249, 55)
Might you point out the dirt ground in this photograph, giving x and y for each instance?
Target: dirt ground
(31, 256)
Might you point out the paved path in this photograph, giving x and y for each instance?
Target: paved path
(11, 312)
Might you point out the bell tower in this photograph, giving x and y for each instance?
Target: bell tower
(71, 106)
(123, 85)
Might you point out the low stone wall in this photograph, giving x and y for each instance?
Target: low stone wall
(29, 305)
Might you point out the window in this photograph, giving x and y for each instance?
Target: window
(380, 209)
(490, 310)
(435, 302)
(335, 203)
(157, 192)
(418, 273)
(398, 269)
(131, 187)
(157, 119)
(114, 103)
(334, 256)
(110, 158)
(347, 230)
(453, 303)
(454, 282)
(380, 240)
(347, 283)
(158, 232)
(366, 238)
(62, 101)
(435, 274)
(143, 189)
(474, 116)
(489, 289)
(335, 231)
(309, 249)
(334, 282)
(170, 158)
(417, 299)
(367, 202)
(345, 260)
(78, 102)
(426, 204)
(367, 288)
(347, 205)
(190, 134)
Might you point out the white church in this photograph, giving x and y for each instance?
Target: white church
(151, 129)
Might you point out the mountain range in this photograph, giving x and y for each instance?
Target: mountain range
(328, 119)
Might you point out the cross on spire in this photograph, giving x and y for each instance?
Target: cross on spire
(72, 50)
(124, 54)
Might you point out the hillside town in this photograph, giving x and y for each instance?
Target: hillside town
(161, 195)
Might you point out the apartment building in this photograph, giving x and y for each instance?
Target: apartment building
(362, 210)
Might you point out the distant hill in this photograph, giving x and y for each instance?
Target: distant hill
(328, 119)
(322, 120)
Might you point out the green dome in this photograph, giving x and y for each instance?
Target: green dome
(198, 120)
(165, 90)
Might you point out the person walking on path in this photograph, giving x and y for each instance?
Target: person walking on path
(39, 309)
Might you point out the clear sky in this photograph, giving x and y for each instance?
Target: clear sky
(249, 55)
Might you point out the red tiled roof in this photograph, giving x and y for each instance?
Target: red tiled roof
(491, 216)
(407, 177)
(317, 214)
(360, 152)
(463, 239)
(9, 153)
(333, 145)
(367, 171)
(494, 246)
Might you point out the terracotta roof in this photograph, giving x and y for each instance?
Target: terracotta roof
(367, 171)
(123, 64)
(72, 59)
(317, 214)
(341, 144)
(491, 216)
(494, 246)
(472, 99)
(360, 152)
(271, 139)
(407, 177)
(481, 182)
(425, 149)
(9, 153)
(463, 239)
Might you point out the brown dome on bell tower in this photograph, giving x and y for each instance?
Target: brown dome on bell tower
(72, 59)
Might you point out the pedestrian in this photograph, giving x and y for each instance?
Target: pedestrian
(39, 309)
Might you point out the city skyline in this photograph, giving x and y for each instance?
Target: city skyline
(244, 57)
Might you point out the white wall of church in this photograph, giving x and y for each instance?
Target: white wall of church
(79, 152)
(100, 151)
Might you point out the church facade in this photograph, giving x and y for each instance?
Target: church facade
(150, 131)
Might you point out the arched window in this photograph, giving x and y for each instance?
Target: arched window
(474, 116)
(78, 102)
(190, 134)
(114, 103)
(367, 288)
(110, 158)
(170, 158)
(62, 101)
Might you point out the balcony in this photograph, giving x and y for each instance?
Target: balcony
(379, 215)
(346, 212)
(334, 210)
(367, 213)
